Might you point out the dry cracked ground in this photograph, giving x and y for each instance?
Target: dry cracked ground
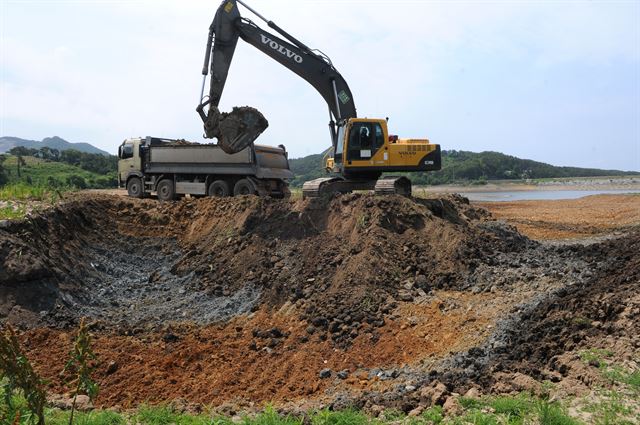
(355, 301)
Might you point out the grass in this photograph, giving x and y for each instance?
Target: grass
(17, 199)
(22, 192)
(39, 171)
(522, 409)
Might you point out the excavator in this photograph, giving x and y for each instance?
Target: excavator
(361, 148)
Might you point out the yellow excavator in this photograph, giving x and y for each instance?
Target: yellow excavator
(362, 148)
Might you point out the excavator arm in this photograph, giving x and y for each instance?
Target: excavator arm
(238, 129)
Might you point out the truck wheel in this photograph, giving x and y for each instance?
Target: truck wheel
(134, 187)
(244, 187)
(219, 189)
(166, 191)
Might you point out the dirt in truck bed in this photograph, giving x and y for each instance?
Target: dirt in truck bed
(355, 300)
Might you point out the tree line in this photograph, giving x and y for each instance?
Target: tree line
(96, 163)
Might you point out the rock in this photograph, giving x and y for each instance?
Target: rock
(434, 394)
(376, 410)
(405, 296)
(521, 382)
(112, 367)
(416, 412)
(83, 403)
(473, 393)
(343, 374)
(452, 407)
(410, 388)
(421, 281)
(325, 373)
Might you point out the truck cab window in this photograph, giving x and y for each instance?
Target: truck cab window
(126, 151)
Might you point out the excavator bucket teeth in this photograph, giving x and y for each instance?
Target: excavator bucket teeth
(237, 129)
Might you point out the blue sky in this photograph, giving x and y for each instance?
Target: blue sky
(547, 80)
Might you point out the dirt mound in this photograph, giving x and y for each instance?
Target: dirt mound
(356, 300)
(343, 263)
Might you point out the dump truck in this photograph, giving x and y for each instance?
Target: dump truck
(172, 168)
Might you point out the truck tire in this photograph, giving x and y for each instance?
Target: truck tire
(134, 187)
(166, 190)
(244, 187)
(219, 189)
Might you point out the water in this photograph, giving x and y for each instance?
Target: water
(540, 195)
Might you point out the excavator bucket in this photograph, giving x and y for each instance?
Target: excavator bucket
(237, 129)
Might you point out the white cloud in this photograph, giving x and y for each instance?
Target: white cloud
(133, 67)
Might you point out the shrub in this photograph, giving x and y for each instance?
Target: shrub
(18, 374)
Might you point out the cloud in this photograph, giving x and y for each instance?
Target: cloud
(452, 71)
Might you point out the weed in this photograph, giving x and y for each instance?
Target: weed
(470, 403)
(553, 414)
(81, 367)
(433, 415)
(514, 408)
(477, 417)
(362, 221)
(595, 354)
(58, 417)
(344, 417)
(18, 375)
(11, 212)
(391, 415)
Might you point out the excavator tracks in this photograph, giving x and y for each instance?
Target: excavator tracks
(326, 186)
(393, 185)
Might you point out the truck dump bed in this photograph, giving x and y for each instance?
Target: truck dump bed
(263, 162)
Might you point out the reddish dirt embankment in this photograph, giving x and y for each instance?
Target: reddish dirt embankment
(569, 218)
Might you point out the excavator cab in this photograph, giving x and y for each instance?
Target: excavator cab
(364, 146)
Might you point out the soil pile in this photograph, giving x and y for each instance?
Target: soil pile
(355, 300)
(343, 263)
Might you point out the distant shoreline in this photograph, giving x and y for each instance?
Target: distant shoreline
(577, 183)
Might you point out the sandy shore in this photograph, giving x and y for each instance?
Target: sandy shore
(601, 183)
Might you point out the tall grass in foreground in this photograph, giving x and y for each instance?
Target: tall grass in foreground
(22, 192)
(518, 410)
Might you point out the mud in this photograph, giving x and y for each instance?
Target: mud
(247, 300)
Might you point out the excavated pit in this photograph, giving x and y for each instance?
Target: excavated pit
(245, 300)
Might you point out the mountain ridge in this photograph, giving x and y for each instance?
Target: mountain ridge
(55, 142)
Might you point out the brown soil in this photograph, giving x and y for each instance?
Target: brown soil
(247, 300)
(568, 219)
(217, 364)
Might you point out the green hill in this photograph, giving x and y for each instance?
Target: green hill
(464, 166)
(41, 172)
(55, 142)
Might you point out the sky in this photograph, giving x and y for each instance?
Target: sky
(553, 81)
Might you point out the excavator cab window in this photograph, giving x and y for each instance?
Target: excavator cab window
(364, 141)
(337, 155)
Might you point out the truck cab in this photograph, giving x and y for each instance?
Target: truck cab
(130, 161)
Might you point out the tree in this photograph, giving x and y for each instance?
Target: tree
(3, 175)
(77, 181)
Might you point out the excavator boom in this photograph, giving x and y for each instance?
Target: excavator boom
(242, 126)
